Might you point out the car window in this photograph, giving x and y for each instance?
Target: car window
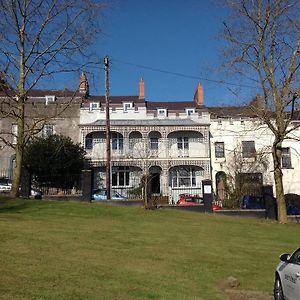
(190, 200)
(295, 259)
(100, 192)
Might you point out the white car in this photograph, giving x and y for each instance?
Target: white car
(287, 277)
(5, 184)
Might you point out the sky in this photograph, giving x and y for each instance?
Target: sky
(172, 45)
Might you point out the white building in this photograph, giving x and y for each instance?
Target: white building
(241, 150)
(169, 140)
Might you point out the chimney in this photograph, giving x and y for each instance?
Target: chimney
(198, 97)
(141, 89)
(83, 85)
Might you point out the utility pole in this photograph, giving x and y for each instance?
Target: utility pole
(108, 154)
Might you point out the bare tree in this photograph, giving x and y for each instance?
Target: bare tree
(140, 149)
(238, 168)
(38, 39)
(264, 41)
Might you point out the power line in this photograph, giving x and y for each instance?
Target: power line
(184, 75)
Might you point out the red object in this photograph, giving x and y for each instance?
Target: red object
(216, 206)
(189, 200)
(195, 200)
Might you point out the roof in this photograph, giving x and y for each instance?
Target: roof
(43, 93)
(232, 111)
(174, 105)
(150, 122)
(114, 99)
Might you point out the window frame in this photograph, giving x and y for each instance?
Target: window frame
(189, 111)
(183, 143)
(248, 149)
(162, 112)
(120, 176)
(286, 159)
(219, 152)
(117, 141)
(49, 98)
(45, 132)
(92, 106)
(179, 179)
(154, 143)
(14, 132)
(127, 105)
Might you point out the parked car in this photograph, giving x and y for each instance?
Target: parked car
(189, 200)
(36, 193)
(194, 200)
(5, 184)
(287, 277)
(252, 202)
(101, 194)
(292, 204)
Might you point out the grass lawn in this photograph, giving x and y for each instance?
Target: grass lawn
(72, 250)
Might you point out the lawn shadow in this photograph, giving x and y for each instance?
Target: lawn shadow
(8, 205)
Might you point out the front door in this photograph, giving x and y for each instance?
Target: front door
(155, 183)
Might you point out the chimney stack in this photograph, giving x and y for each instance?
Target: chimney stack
(83, 85)
(198, 97)
(141, 89)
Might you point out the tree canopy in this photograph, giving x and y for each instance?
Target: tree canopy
(54, 160)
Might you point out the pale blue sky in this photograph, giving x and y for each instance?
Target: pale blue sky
(141, 36)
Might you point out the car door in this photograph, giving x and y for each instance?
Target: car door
(291, 277)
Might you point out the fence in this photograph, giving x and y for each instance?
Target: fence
(7, 173)
(58, 185)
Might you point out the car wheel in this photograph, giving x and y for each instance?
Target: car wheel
(278, 292)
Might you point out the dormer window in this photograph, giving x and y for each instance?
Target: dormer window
(190, 111)
(94, 105)
(127, 106)
(50, 99)
(161, 112)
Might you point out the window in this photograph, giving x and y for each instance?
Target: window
(14, 131)
(286, 162)
(117, 141)
(48, 130)
(50, 99)
(94, 105)
(183, 146)
(127, 106)
(120, 176)
(190, 111)
(295, 258)
(182, 143)
(183, 177)
(248, 149)
(89, 143)
(162, 112)
(154, 143)
(219, 149)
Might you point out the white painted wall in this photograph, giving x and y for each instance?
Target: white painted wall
(232, 132)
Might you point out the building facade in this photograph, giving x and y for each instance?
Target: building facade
(46, 112)
(167, 140)
(241, 153)
(176, 144)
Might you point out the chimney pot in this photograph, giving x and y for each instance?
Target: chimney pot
(141, 89)
(198, 96)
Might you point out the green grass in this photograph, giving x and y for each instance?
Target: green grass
(71, 250)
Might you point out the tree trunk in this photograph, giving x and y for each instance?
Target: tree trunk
(21, 97)
(281, 207)
(19, 150)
